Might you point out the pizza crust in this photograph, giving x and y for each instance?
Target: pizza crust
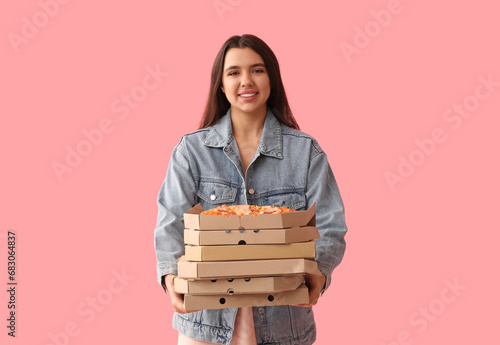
(242, 210)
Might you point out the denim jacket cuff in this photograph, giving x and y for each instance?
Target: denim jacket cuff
(164, 268)
(327, 271)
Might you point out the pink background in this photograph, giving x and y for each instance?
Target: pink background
(373, 108)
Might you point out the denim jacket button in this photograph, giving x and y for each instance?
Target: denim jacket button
(213, 197)
(261, 310)
(251, 191)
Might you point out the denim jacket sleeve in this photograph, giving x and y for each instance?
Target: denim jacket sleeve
(177, 194)
(330, 220)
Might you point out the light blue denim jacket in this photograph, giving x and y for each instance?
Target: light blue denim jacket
(289, 168)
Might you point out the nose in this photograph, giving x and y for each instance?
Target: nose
(246, 79)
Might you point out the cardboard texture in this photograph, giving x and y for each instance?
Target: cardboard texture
(199, 302)
(250, 268)
(251, 252)
(195, 221)
(238, 285)
(264, 236)
(246, 261)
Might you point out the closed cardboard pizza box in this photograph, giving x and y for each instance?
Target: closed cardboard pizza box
(238, 285)
(249, 268)
(195, 221)
(251, 252)
(200, 302)
(263, 236)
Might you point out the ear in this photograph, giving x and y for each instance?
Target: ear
(222, 89)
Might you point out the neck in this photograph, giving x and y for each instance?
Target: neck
(246, 125)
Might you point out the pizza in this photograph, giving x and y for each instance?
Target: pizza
(242, 210)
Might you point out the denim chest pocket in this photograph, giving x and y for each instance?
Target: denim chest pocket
(212, 194)
(289, 197)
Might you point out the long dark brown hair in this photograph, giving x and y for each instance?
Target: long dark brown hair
(217, 103)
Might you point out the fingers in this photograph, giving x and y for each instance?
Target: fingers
(315, 284)
(301, 305)
(176, 299)
(169, 282)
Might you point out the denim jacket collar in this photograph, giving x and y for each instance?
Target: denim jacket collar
(271, 141)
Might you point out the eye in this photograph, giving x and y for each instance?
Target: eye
(233, 73)
(259, 70)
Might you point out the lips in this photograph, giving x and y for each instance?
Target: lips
(248, 93)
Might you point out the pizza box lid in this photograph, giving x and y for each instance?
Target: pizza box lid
(194, 220)
(251, 252)
(248, 268)
(238, 285)
(200, 302)
(264, 236)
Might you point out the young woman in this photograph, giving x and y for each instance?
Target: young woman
(248, 150)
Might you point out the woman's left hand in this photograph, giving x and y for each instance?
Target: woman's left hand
(315, 283)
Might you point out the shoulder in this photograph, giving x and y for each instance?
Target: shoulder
(300, 138)
(198, 135)
(192, 140)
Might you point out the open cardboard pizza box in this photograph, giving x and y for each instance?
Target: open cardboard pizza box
(238, 285)
(199, 302)
(264, 236)
(251, 252)
(193, 219)
(242, 269)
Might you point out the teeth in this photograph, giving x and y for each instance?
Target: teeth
(249, 95)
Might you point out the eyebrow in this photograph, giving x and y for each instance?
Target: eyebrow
(254, 65)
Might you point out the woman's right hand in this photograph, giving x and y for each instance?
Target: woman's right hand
(176, 299)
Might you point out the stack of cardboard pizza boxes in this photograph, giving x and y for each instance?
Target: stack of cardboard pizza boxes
(233, 261)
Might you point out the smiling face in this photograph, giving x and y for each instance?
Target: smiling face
(245, 82)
